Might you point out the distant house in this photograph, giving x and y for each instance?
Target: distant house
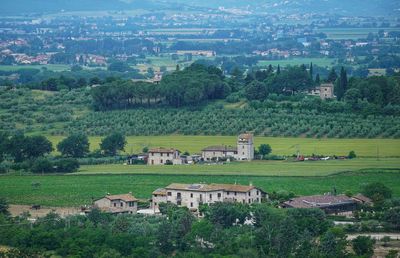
(161, 156)
(324, 91)
(193, 195)
(116, 204)
(330, 204)
(362, 199)
(244, 149)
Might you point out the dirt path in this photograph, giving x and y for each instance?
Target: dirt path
(16, 210)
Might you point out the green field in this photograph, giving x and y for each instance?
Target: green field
(280, 145)
(52, 67)
(75, 190)
(255, 168)
(351, 33)
(324, 62)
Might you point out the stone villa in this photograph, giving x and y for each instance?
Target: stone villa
(243, 151)
(161, 156)
(116, 204)
(193, 195)
(324, 91)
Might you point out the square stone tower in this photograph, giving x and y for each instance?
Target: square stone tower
(245, 147)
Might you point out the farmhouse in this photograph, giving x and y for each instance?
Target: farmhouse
(193, 195)
(116, 204)
(324, 91)
(243, 151)
(161, 156)
(330, 204)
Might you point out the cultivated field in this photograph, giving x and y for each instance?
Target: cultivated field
(75, 190)
(324, 62)
(255, 168)
(280, 146)
(52, 67)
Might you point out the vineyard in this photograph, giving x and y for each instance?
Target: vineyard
(60, 113)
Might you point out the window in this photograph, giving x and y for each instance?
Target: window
(219, 195)
(249, 193)
(249, 200)
(169, 193)
(161, 161)
(244, 201)
(258, 200)
(191, 195)
(155, 204)
(179, 203)
(162, 154)
(122, 204)
(167, 154)
(243, 147)
(191, 204)
(210, 196)
(258, 192)
(152, 162)
(115, 205)
(235, 193)
(227, 193)
(178, 195)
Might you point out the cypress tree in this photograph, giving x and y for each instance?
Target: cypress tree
(317, 79)
(341, 85)
(278, 71)
(311, 71)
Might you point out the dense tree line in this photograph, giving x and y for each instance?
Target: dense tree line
(275, 233)
(191, 86)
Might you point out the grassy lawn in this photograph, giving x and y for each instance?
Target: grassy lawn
(299, 61)
(256, 168)
(280, 145)
(75, 190)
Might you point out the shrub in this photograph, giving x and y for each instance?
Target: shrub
(352, 155)
(42, 165)
(68, 165)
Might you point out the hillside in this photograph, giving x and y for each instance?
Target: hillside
(353, 7)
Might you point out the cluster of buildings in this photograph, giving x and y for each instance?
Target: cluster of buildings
(192, 196)
(324, 91)
(244, 150)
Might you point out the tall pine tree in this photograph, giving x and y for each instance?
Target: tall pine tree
(341, 84)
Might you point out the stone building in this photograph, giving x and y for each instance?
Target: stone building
(161, 156)
(324, 91)
(244, 149)
(121, 203)
(193, 195)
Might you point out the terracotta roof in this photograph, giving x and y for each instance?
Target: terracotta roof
(318, 201)
(222, 148)
(210, 187)
(326, 85)
(123, 197)
(246, 136)
(362, 198)
(162, 150)
(160, 191)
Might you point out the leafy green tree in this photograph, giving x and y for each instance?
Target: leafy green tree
(377, 191)
(333, 244)
(227, 214)
(392, 216)
(264, 149)
(42, 165)
(256, 91)
(4, 207)
(76, 146)
(363, 246)
(4, 143)
(22, 147)
(113, 143)
(67, 165)
(352, 155)
(341, 85)
(332, 76)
